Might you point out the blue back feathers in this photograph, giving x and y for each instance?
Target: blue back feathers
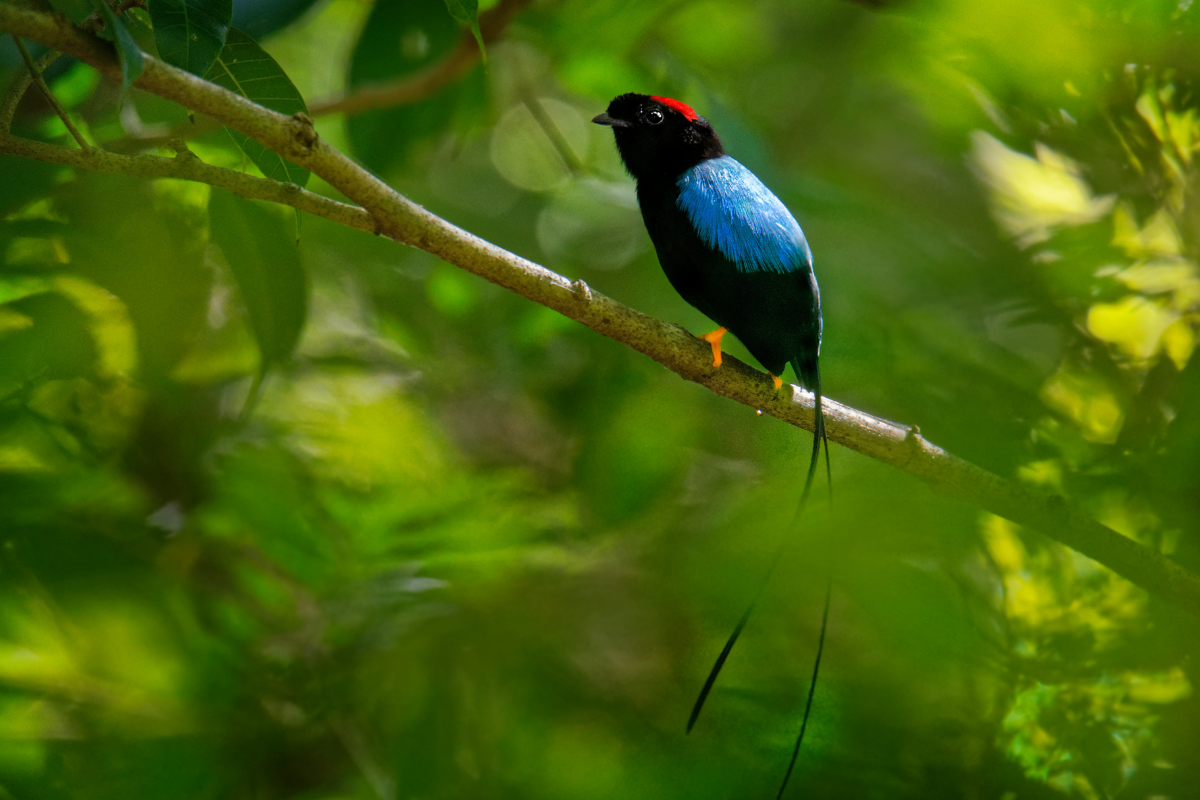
(733, 212)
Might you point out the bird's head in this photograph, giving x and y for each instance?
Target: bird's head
(658, 137)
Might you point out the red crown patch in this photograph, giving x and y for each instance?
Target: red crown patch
(682, 108)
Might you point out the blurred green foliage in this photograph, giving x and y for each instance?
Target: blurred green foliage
(463, 547)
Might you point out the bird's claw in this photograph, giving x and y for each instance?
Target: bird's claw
(714, 339)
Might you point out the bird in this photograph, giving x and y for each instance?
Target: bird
(733, 251)
(727, 244)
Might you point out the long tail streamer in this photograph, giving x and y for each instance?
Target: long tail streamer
(819, 439)
(812, 689)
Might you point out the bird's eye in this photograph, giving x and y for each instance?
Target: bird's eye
(654, 116)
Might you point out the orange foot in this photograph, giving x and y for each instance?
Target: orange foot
(714, 339)
(778, 382)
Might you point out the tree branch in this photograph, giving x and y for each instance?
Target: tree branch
(8, 108)
(409, 89)
(187, 166)
(673, 347)
(36, 74)
(412, 88)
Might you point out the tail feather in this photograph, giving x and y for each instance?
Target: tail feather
(720, 662)
(812, 690)
(810, 375)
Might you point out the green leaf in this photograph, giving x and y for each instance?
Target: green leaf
(20, 286)
(190, 33)
(467, 11)
(266, 264)
(127, 49)
(245, 68)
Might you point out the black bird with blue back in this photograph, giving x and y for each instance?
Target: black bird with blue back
(734, 251)
(727, 244)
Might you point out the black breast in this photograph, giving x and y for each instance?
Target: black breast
(777, 316)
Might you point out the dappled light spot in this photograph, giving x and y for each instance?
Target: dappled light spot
(1160, 688)
(1179, 341)
(1135, 325)
(112, 330)
(1003, 544)
(111, 658)
(11, 320)
(1178, 131)
(359, 430)
(1087, 401)
(1030, 196)
(1159, 277)
(35, 252)
(1069, 619)
(1047, 473)
(1159, 237)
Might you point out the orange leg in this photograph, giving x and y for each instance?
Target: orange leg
(714, 339)
(778, 382)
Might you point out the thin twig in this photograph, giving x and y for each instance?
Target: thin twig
(399, 218)
(412, 88)
(187, 166)
(50, 98)
(21, 83)
(557, 140)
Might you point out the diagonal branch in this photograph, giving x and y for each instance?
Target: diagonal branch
(36, 74)
(411, 88)
(398, 218)
(8, 107)
(402, 91)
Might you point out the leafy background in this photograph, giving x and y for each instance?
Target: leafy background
(456, 545)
